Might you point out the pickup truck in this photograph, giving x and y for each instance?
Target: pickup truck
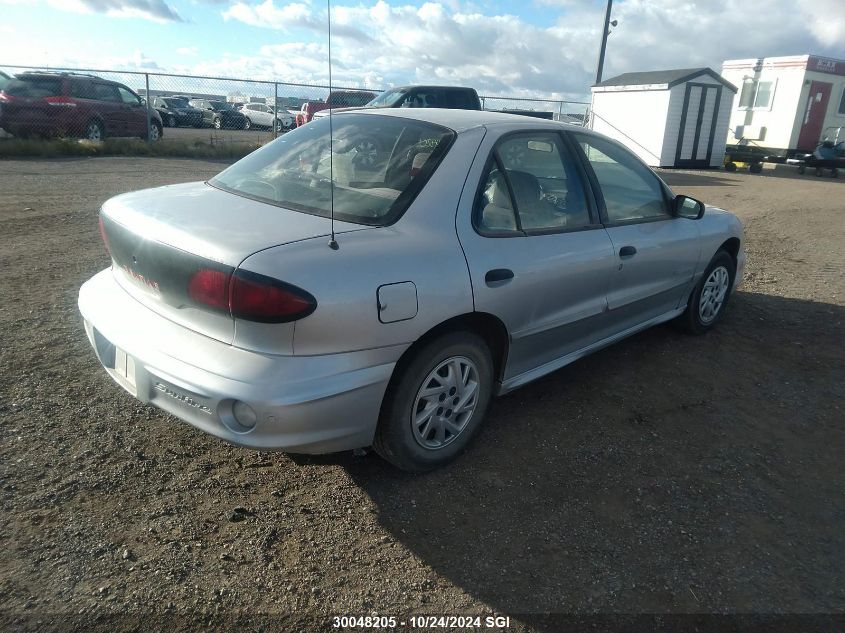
(450, 97)
(337, 99)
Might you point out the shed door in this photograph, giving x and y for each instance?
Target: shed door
(698, 125)
(814, 113)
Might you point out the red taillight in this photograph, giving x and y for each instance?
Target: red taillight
(259, 298)
(65, 102)
(103, 234)
(210, 288)
(250, 296)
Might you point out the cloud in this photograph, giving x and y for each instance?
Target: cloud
(155, 10)
(448, 42)
(188, 51)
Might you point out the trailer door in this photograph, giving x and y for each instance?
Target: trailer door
(814, 113)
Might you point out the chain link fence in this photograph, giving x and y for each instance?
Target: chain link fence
(95, 104)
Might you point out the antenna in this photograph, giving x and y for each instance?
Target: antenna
(332, 242)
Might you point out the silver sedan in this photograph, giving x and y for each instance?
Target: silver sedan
(308, 301)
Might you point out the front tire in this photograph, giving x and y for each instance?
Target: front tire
(217, 123)
(171, 121)
(95, 131)
(435, 402)
(710, 297)
(247, 124)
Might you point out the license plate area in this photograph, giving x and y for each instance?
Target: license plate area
(120, 364)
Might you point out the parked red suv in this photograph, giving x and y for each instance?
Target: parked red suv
(337, 99)
(72, 104)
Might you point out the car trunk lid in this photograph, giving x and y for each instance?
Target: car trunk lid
(159, 239)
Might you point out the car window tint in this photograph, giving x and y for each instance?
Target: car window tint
(631, 191)
(545, 184)
(127, 97)
(34, 87)
(106, 92)
(82, 89)
(494, 209)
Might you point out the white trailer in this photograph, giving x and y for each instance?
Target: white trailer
(785, 105)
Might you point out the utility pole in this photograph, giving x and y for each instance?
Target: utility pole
(604, 33)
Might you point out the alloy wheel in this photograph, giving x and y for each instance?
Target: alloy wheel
(713, 294)
(445, 403)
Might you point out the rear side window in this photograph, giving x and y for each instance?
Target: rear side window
(379, 164)
(82, 89)
(461, 100)
(34, 87)
(533, 175)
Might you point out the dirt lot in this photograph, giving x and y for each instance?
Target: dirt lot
(667, 474)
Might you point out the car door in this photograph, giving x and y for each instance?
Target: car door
(136, 113)
(110, 108)
(656, 252)
(537, 254)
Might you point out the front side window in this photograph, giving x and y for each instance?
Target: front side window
(756, 94)
(106, 92)
(378, 164)
(631, 191)
(532, 185)
(128, 97)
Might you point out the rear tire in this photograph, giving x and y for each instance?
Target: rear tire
(755, 168)
(171, 121)
(247, 124)
(435, 402)
(730, 166)
(709, 299)
(217, 123)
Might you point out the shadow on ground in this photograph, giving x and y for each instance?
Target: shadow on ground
(667, 473)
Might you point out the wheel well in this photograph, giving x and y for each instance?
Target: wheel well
(732, 248)
(487, 326)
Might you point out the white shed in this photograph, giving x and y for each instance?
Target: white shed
(670, 118)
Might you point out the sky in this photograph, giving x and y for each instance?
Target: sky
(539, 48)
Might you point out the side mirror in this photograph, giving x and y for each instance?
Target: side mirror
(686, 207)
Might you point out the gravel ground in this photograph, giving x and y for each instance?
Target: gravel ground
(666, 474)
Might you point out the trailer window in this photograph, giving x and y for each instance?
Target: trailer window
(756, 94)
(842, 102)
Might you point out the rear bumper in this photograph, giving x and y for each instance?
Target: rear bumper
(305, 404)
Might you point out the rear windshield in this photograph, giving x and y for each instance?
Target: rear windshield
(379, 164)
(175, 103)
(220, 105)
(34, 87)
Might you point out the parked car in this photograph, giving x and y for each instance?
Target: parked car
(277, 309)
(219, 114)
(336, 99)
(4, 79)
(261, 115)
(73, 104)
(450, 97)
(176, 111)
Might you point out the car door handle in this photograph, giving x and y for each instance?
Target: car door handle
(627, 251)
(497, 276)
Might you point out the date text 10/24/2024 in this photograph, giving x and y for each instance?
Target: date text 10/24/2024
(421, 622)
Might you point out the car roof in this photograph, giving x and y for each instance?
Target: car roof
(429, 87)
(463, 120)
